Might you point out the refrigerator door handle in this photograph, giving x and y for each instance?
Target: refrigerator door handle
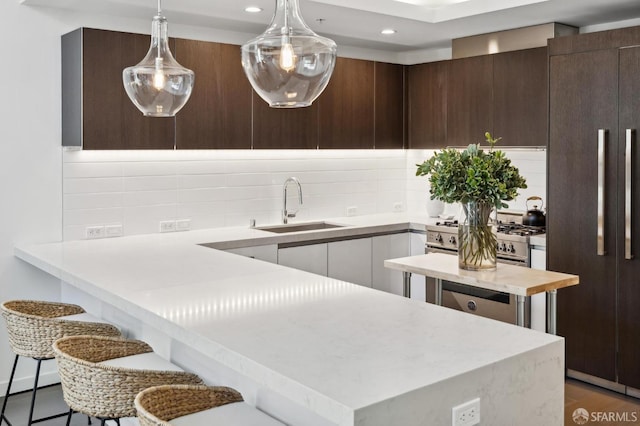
(602, 137)
(628, 194)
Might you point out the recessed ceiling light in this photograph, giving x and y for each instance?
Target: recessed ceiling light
(388, 31)
(253, 9)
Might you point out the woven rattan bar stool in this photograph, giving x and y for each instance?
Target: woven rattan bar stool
(101, 376)
(180, 405)
(33, 326)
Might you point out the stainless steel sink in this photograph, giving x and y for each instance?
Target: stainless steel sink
(298, 227)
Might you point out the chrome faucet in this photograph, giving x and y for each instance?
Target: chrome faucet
(285, 213)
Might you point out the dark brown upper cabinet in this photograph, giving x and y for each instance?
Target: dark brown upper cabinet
(346, 107)
(427, 105)
(284, 128)
(469, 100)
(520, 97)
(218, 114)
(389, 99)
(96, 111)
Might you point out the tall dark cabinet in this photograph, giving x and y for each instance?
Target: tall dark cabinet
(593, 216)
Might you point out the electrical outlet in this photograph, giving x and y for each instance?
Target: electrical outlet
(167, 226)
(94, 232)
(397, 207)
(352, 211)
(183, 224)
(113, 230)
(467, 414)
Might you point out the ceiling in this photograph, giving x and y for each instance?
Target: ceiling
(357, 23)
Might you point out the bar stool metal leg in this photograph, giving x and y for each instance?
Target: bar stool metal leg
(35, 391)
(6, 397)
(31, 420)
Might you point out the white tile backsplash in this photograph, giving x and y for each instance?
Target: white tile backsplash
(228, 188)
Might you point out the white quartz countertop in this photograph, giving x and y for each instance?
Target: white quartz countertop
(330, 346)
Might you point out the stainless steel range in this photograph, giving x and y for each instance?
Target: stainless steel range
(512, 248)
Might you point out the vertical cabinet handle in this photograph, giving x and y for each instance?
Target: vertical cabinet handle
(602, 138)
(627, 194)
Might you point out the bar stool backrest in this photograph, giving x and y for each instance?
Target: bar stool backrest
(106, 391)
(158, 405)
(34, 325)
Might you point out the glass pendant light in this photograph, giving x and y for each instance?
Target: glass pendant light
(289, 65)
(159, 86)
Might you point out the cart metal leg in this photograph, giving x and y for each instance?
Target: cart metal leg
(520, 310)
(406, 282)
(552, 312)
(438, 292)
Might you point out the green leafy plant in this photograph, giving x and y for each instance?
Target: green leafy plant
(481, 181)
(472, 175)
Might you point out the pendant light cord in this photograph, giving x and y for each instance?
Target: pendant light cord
(286, 17)
(159, 8)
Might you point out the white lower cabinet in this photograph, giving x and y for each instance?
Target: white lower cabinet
(350, 261)
(388, 247)
(359, 261)
(268, 253)
(311, 258)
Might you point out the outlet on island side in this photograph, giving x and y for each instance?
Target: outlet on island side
(467, 414)
(352, 211)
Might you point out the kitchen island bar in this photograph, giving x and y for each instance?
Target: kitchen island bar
(307, 349)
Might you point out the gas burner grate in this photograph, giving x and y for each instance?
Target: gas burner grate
(513, 228)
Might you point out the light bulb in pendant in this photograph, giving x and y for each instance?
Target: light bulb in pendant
(287, 57)
(158, 77)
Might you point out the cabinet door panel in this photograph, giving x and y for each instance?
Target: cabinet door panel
(218, 114)
(351, 261)
(389, 247)
(520, 90)
(427, 105)
(110, 120)
(311, 258)
(469, 100)
(284, 128)
(583, 99)
(389, 106)
(629, 269)
(346, 106)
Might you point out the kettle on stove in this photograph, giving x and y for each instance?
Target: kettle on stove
(534, 216)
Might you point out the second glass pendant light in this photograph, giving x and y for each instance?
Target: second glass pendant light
(289, 65)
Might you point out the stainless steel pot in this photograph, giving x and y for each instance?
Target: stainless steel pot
(534, 216)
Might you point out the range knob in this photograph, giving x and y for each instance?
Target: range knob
(502, 247)
(452, 240)
(511, 249)
(438, 238)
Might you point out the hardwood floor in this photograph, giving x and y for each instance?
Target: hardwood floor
(577, 395)
(604, 407)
